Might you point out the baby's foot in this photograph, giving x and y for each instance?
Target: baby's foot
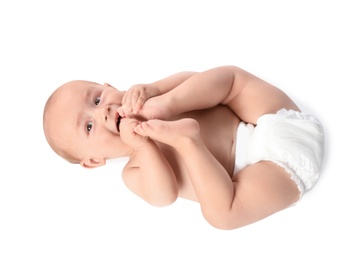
(171, 133)
(156, 108)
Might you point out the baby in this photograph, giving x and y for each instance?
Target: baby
(181, 137)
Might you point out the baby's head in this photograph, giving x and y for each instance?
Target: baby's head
(80, 123)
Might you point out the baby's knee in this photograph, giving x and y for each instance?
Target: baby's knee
(223, 219)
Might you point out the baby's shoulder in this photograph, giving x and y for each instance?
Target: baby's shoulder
(132, 163)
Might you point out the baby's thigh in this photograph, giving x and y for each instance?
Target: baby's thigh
(262, 189)
(259, 98)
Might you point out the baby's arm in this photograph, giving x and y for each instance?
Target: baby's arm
(148, 174)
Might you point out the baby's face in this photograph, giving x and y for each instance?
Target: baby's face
(84, 120)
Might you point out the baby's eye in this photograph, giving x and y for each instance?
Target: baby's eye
(97, 101)
(89, 126)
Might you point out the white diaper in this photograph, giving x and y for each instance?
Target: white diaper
(290, 139)
(243, 138)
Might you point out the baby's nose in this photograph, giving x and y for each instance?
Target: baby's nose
(104, 112)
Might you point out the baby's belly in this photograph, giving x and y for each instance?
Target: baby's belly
(218, 130)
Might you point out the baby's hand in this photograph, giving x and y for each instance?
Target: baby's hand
(135, 98)
(128, 135)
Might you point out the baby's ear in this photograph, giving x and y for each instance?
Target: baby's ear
(92, 163)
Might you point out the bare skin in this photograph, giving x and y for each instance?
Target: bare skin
(214, 124)
(256, 192)
(190, 153)
(227, 202)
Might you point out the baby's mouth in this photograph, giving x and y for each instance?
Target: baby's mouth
(118, 121)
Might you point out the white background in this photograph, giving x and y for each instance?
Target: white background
(50, 209)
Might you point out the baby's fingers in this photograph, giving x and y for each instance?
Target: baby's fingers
(134, 99)
(121, 112)
(126, 101)
(139, 103)
(139, 97)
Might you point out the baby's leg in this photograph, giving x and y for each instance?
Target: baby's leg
(211, 182)
(172, 133)
(245, 94)
(254, 193)
(261, 189)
